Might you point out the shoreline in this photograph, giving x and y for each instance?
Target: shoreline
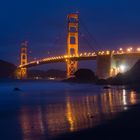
(134, 86)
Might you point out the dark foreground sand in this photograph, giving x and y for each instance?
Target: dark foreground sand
(126, 126)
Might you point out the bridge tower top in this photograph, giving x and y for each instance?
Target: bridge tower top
(72, 39)
(72, 43)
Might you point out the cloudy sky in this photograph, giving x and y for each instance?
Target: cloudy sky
(103, 24)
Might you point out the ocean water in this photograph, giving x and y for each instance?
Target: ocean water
(46, 109)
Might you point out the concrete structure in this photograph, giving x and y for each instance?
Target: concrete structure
(104, 65)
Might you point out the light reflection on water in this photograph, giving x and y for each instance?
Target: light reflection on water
(74, 113)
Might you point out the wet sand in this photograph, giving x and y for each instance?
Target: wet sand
(125, 126)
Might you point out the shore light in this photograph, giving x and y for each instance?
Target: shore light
(122, 68)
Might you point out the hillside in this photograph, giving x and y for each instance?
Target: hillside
(7, 69)
(54, 73)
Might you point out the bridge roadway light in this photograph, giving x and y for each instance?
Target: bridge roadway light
(89, 54)
(65, 56)
(120, 49)
(107, 52)
(138, 49)
(128, 50)
(113, 51)
(102, 52)
(99, 53)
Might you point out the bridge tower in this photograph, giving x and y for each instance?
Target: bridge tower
(22, 72)
(72, 43)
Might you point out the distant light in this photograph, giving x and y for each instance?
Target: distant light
(36, 78)
(51, 78)
(37, 62)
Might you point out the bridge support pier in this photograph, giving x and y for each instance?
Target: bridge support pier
(71, 67)
(21, 73)
(103, 70)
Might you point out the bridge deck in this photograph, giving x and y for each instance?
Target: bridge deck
(82, 57)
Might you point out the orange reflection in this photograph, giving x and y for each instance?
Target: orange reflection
(69, 115)
(31, 123)
(133, 98)
(75, 113)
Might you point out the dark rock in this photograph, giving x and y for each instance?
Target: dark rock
(17, 89)
(83, 76)
(106, 87)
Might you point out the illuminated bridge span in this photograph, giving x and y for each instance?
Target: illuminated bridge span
(119, 57)
(65, 58)
(109, 63)
(81, 57)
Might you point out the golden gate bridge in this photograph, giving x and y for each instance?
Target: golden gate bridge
(109, 62)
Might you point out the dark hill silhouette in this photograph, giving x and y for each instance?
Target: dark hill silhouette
(83, 76)
(7, 70)
(134, 73)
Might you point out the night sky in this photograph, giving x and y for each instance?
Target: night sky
(103, 24)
